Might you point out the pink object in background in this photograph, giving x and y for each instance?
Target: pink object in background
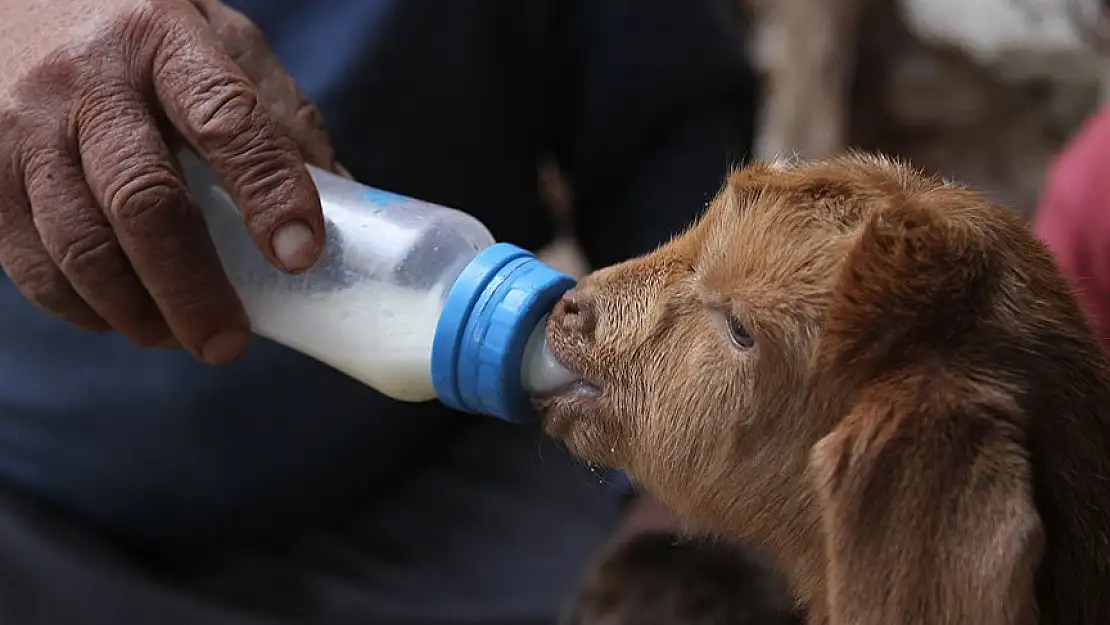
(1073, 217)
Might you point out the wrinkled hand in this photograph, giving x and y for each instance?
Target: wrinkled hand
(96, 225)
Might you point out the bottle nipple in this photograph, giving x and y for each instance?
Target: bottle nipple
(488, 348)
(541, 372)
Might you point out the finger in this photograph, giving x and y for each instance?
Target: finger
(80, 242)
(134, 178)
(26, 262)
(245, 44)
(217, 111)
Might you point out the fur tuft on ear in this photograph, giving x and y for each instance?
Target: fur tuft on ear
(916, 280)
(926, 503)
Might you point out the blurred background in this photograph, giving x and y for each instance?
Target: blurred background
(984, 92)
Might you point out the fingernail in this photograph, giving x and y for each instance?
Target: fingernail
(294, 246)
(224, 347)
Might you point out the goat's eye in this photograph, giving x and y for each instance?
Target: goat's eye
(738, 333)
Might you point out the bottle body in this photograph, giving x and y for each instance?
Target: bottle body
(371, 304)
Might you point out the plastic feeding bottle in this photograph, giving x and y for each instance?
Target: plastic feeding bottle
(413, 299)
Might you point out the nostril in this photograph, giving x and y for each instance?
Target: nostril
(575, 313)
(570, 304)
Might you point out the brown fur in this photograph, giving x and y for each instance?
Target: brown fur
(660, 578)
(919, 432)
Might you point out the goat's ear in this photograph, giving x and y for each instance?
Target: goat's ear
(926, 507)
(916, 279)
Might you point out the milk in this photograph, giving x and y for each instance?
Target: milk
(380, 335)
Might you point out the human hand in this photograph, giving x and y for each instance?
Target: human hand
(96, 225)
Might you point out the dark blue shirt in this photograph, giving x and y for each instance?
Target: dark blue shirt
(643, 103)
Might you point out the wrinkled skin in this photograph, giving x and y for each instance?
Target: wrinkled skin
(96, 226)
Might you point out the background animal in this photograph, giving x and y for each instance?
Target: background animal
(879, 378)
(983, 92)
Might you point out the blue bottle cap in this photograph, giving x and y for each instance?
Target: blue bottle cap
(487, 319)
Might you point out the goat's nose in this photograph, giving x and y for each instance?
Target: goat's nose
(576, 313)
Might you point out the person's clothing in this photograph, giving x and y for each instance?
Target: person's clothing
(493, 529)
(450, 518)
(1073, 218)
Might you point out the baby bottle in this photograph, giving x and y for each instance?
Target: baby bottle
(413, 299)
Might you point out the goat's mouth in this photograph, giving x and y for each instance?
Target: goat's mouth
(561, 407)
(578, 390)
(583, 387)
